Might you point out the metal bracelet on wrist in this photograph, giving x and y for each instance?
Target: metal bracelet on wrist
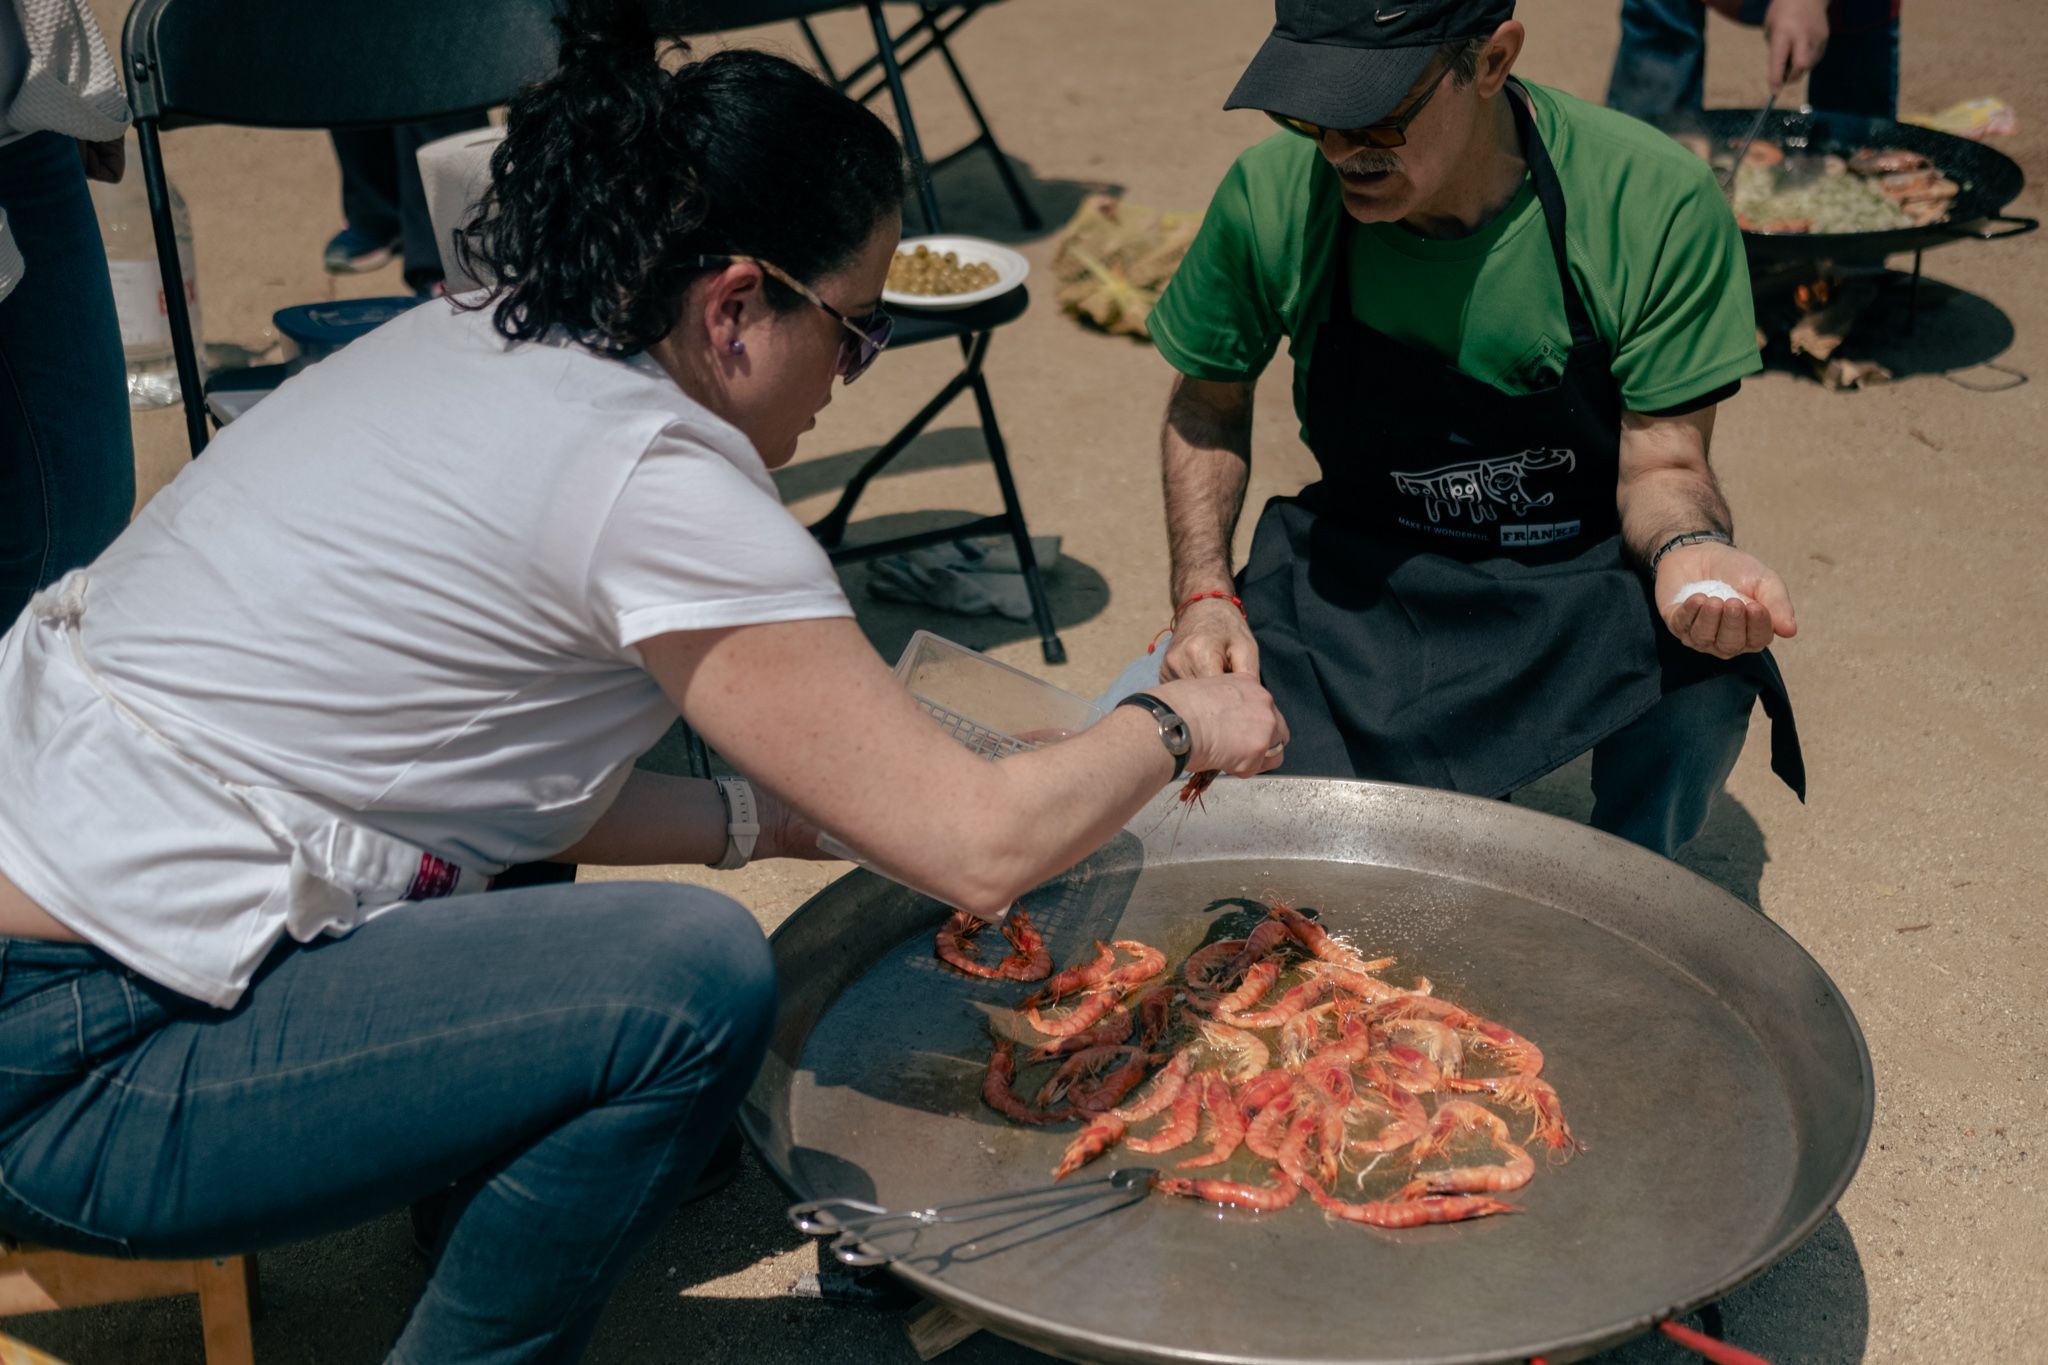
(1173, 731)
(1690, 538)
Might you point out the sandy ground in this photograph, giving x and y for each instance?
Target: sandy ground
(1906, 519)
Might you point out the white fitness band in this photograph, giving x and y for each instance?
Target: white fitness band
(742, 822)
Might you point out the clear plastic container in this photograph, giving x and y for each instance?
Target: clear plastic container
(990, 707)
(985, 704)
(130, 240)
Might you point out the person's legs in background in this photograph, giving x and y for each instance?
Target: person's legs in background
(67, 458)
(1655, 779)
(1859, 73)
(422, 252)
(1660, 67)
(567, 1055)
(369, 201)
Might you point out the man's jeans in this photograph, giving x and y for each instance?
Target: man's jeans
(67, 465)
(1654, 780)
(1663, 56)
(567, 1056)
(381, 192)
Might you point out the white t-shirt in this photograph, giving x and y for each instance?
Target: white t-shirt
(400, 596)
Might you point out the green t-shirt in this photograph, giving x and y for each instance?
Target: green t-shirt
(1655, 252)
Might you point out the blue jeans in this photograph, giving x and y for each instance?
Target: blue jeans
(1654, 780)
(566, 1056)
(1663, 56)
(67, 462)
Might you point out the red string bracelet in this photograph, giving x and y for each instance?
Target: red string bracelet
(1174, 624)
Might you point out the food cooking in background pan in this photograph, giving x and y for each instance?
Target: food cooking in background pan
(1874, 189)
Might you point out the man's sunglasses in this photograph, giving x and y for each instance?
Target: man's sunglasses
(867, 336)
(1385, 135)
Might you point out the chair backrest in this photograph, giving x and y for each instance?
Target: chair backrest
(311, 64)
(715, 16)
(331, 63)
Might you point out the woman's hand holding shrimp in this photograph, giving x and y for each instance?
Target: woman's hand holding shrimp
(1232, 721)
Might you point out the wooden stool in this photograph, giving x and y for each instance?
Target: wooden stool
(17, 1352)
(34, 1280)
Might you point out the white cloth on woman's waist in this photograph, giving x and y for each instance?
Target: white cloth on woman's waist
(395, 605)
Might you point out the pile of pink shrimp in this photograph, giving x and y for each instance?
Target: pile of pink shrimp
(1388, 1106)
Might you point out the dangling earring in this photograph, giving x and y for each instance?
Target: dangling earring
(737, 347)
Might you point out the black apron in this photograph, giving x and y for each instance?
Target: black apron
(1450, 605)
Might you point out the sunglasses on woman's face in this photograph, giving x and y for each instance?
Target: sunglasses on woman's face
(1384, 135)
(866, 336)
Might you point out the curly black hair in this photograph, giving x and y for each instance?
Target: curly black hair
(620, 170)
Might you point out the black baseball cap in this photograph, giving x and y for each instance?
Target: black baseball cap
(1348, 63)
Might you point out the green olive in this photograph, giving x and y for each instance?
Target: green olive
(922, 271)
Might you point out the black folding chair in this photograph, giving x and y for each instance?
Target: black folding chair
(896, 53)
(295, 64)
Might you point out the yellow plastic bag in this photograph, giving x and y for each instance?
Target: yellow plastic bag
(1975, 119)
(1114, 261)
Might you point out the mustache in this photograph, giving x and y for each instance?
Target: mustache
(1369, 163)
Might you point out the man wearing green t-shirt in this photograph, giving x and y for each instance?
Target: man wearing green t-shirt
(1511, 316)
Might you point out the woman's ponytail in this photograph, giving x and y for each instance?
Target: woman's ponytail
(596, 32)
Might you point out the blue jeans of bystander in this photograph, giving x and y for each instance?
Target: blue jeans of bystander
(1660, 65)
(67, 462)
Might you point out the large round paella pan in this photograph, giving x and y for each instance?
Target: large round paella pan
(1717, 1078)
(1986, 180)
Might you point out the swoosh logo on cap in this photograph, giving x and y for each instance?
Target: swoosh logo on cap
(1380, 16)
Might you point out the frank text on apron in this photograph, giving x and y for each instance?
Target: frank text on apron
(1451, 605)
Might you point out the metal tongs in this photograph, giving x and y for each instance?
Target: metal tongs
(851, 1222)
(1742, 148)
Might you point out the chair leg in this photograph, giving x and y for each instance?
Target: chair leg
(184, 345)
(830, 529)
(906, 58)
(885, 48)
(1020, 534)
(1027, 212)
(224, 1310)
(255, 1287)
(818, 51)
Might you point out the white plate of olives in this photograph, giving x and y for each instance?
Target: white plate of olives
(952, 272)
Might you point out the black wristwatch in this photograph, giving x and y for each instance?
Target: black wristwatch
(1173, 731)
